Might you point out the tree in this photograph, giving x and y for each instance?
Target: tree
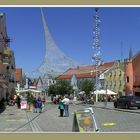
(87, 86)
(60, 88)
(64, 87)
(30, 98)
(52, 89)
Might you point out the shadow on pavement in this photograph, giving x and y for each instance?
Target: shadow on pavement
(2, 109)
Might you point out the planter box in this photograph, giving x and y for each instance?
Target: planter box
(30, 107)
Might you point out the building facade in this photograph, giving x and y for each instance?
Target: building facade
(114, 78)
(83, 73)
(7, 62)
(132, 75)
(136, 71)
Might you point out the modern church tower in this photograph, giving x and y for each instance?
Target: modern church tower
(55, 61)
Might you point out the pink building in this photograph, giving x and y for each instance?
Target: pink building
(132, 76)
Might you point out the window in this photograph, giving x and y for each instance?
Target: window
(120, 82)
(127, 79)
(114, 83)
(120, 73)
(110, 83)
(115, 73)
(134, 79)
(106, 83)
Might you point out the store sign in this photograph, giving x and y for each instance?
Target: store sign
(7, 51)
(23, 104)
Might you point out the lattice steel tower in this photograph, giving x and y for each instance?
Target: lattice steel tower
(96, 47)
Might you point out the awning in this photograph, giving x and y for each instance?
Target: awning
(26, 90)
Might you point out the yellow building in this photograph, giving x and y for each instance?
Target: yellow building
(114, 78)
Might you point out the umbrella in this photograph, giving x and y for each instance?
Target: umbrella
(82, 92)
(108, 92)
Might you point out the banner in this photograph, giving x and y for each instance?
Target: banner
(6, 51)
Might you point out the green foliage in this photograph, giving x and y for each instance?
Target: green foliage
(100, 98)
(30, 98)
(64, 87)
(87, 86)
(61, 88)
(52, 89)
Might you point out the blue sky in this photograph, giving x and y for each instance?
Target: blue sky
(71, 28)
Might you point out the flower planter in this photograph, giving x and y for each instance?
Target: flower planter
(30, 107)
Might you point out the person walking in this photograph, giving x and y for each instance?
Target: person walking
(43, 102)
(14, 99)
(66, 101)
(35, 104)
(39, 104)
(18, 101)
(61, 107)
(105, 101)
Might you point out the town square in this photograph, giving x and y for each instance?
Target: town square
(69, 69)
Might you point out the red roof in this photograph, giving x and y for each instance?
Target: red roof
(84, 71)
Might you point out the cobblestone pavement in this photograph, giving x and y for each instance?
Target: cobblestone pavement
(13, 118)
(108, 120)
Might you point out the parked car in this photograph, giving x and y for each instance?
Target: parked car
(127, 101)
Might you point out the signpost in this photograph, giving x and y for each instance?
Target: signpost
(23, 104)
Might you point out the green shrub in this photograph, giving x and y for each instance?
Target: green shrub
(30, 98)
